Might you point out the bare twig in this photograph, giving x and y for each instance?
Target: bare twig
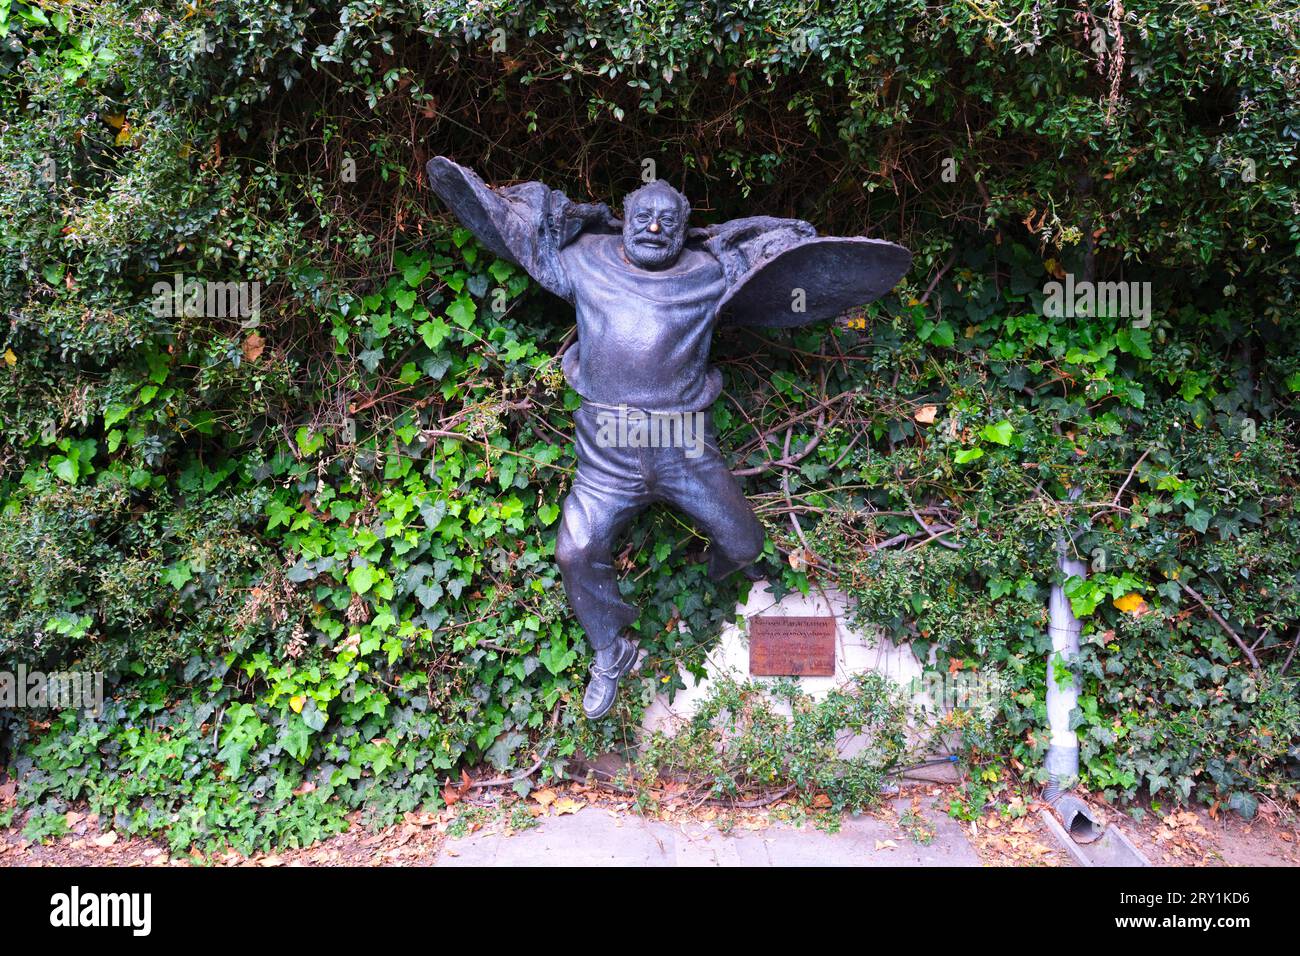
(1132, 471)
(569, 339)
(933, 533)
(751, 804)
(1294, 644)
(787, 460)
(937, 276)
(1218, 619)
(937, 538)
(785, 487)
(890, 542)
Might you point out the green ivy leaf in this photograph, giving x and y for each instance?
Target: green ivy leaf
(64, 468)
(462, 311)
(414, 272)
(363, 578)
(999, 434)
(178, 575)
(436, 367)
(557, 658)
(115, 413)
(309, 442)
(434, 331)
(296, 739)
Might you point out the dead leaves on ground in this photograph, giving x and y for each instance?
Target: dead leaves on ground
(1017, 841)
(1182, 838)
(547, 801)
(453, 795)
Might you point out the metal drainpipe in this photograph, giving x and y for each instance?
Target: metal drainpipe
(1062, 761)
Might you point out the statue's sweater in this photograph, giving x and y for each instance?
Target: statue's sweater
(643, 336)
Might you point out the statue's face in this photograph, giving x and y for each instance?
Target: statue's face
(654, 229)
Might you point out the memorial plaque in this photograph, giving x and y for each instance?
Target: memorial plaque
(792, 646)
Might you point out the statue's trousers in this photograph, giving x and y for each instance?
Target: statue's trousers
(628, 459)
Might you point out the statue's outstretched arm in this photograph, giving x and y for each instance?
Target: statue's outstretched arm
(527, 224)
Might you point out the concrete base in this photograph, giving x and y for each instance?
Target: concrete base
(856, 651)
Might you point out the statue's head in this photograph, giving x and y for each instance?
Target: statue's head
(654, 225)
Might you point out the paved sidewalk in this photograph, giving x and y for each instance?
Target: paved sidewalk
(598, 837)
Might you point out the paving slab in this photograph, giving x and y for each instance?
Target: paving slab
(590, 837)
(599, 837)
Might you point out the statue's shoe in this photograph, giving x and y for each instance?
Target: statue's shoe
(602, 688)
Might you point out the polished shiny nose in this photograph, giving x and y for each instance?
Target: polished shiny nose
(654, 227)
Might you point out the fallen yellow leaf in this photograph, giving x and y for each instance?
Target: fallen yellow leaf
(567, 805)
(297, 702)
(925, 414)
(10, 358)
(1129, 603)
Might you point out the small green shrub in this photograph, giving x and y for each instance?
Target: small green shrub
(746, 738)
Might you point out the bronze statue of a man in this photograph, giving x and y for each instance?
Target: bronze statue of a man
(648, 291)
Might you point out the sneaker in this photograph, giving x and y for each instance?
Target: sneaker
(602, 688)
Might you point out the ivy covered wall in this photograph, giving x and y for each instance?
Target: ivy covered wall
(306, 526)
